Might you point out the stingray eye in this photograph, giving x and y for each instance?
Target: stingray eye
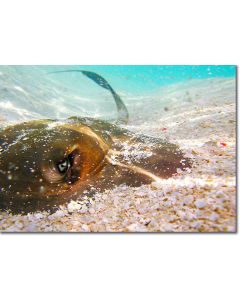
(67, 169)
(64, 165)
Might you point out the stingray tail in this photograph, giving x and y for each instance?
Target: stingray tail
(123, 115)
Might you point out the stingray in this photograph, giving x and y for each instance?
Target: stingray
(46, 163)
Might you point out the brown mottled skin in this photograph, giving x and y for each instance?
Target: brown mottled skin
(31, 151)
(46, 163)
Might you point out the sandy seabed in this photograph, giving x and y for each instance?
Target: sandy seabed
(200, 116)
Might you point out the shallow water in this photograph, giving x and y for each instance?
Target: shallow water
(29, 92)
(191, 106)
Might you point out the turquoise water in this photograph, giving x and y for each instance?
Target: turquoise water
(28, 92)
(147, 77)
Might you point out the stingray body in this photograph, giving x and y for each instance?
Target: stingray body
(46, 163)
